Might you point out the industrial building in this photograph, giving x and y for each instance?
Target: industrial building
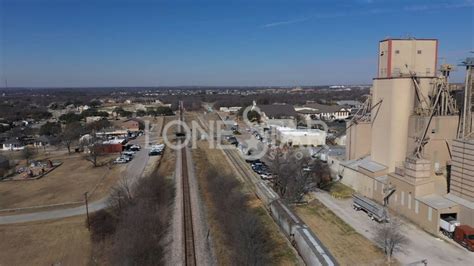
(300, 137)
(401, 143)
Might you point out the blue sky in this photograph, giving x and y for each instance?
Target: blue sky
(222, 42)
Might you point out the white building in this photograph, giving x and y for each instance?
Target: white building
(300, 137)
(12, 145)
(232, 109)
(323, 112)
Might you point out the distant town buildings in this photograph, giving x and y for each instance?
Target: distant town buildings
(232, 109)
(323, 112)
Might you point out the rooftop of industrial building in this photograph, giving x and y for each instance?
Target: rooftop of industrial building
(460, 200)
(372, 166)
(437, 201)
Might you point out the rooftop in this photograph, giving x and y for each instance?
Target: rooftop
(372, 166)
(323, 108)
(278, 110)
(437, 201)
(460, 200)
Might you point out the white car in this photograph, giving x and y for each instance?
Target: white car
(135, 147)
(266, 176)
(120, 160)
(158, 147)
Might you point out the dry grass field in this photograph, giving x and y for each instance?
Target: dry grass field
(67, 183)
(64, 241)
(345, 244)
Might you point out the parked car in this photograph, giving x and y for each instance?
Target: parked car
(266, 176)
(155, 152)
(128, 153)
(158, 146)
(135, 147)
(120, 160)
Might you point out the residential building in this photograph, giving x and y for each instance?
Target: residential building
(323, 111)
(277, 111)
(12, 144)
(132, 124)
(351, 104)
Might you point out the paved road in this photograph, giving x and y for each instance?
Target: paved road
(46, 215)
(133, 172)
(421, 246)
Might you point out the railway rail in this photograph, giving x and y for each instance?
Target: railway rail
(188, 228)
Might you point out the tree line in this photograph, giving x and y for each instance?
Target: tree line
(132, 229)
(245, 236)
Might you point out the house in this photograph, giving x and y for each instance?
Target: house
(277, 111)
(132, 124)
(350, 104)
(82, 108)
(42, 141)
(91, 119)
(323, 111)
(12, 144)
(232, 109)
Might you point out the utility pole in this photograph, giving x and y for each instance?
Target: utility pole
(87, 212)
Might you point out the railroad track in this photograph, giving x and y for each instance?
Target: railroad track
(238, 165)
(243, 171)
(187, 215)
(188, 230)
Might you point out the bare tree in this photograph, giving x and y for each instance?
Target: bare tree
(245, 235)
(93, 148)
(70, 134)
(295, 174)
(121, 195)
(390, 237)
(281, 170)
(134, 226)
(93, 154)
(27, 153)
